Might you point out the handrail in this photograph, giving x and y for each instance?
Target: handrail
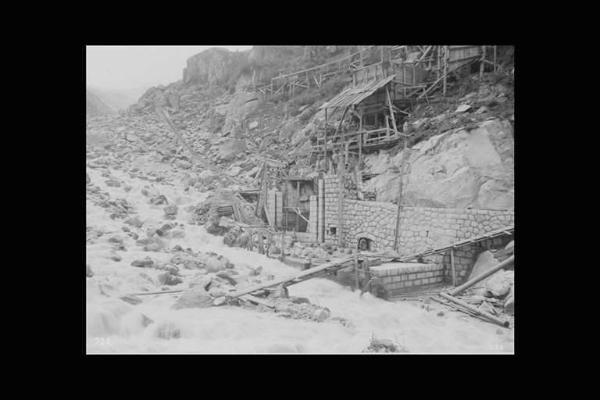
(324, 64)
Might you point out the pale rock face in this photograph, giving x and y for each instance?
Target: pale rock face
(211, 66)
(499, 284)
(240, 106)
(485, 262)
(457, 169)
(230, 148)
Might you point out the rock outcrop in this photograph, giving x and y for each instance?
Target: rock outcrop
(457, 169)
(213, 66)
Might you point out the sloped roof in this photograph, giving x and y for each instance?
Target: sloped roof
(357, 94)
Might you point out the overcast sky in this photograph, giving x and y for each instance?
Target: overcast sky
(129, 67)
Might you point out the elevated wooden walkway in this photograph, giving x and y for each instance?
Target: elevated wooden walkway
(314, 76)
(388, 86)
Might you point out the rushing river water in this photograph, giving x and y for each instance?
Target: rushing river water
(114, 326)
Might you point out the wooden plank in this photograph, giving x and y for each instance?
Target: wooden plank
(257, 300)
(475, 310)
(271, 222)
(306, 274)
(389, 100)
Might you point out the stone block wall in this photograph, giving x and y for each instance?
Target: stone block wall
(331, 194)
(320, 211)
(423, 228)
(374, 220)
(465, 257)
(399, 278)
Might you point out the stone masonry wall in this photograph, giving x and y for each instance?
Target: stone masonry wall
(421, 228)
(399, 278)
(374, 220)
(331, 191)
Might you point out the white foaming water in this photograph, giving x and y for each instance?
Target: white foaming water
(114, 326)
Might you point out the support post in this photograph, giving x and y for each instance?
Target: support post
(356, 280)
(298, 197)
(399, 211)
(387, 92)
(445, 67)
(325, 144)
(340, 202)
(453, 268)
(360, 140)
(282, 255)
(482, 64)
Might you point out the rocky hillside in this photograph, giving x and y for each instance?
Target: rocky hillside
(460, 153)
(94, 106)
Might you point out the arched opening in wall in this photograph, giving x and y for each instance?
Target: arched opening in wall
(365, 244)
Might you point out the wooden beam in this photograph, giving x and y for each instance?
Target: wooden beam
(482, 276)
(476, 310)
(325, 144)
(445, 67)
(340, 202)
(399, 209)
(360, 140)
(298, 197)
(389, 100)
(481, 66)
(452, 265)
(290, 280)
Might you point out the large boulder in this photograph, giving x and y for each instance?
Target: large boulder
(499, 284)
(240, 106)
(485, 261)
(456, 169)
(196, 297)
(231, 148)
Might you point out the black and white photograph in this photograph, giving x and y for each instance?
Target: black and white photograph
(319, 199)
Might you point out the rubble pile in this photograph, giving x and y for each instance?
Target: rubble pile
(495, 294)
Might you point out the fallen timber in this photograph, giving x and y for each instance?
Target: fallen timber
(475, 310)
(481, 277)
(304, 275)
